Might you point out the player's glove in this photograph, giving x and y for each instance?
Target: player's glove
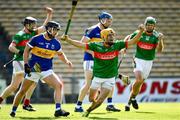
(27, 69)
(125, 79)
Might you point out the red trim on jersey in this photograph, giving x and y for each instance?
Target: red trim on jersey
(87, 46)
(146, 46)
(126, 44)
(107, 55)
(22, 43)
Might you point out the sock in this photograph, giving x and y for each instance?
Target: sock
(79, 104)
(14, 109)
(26, 102)
(58, 106)
(109, 100)
(1, 99)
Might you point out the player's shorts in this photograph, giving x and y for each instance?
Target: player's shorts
(103, 82)
(144, 66)
(18, 67)
(36, 76)
(88, 65)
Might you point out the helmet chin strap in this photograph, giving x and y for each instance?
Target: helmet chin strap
(27, 28)
(149, 31)
(102, 23)
(110, 43)
(50, 34)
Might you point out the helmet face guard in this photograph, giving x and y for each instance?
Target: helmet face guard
(150, 20)
(107, 36)
(103, 16)
(150, 23)
(31, 22)
(51, 27)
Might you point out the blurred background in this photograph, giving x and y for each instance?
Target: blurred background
(127, 15)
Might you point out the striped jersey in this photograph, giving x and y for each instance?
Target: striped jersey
(21, 39)
(93, 33)
(43, 51)
(146, 47)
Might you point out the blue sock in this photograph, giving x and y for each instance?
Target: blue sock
(109, 100)
(14, 109)
(58, 106)
(79, 103)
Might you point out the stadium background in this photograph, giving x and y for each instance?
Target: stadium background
(128, 14)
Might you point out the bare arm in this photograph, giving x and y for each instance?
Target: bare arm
(26, 54)
(73, 42)
(48, 18)
(136, 38)
(160, 46)
(63, 57)
(13, 49)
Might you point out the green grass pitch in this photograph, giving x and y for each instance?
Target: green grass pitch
(147, 111)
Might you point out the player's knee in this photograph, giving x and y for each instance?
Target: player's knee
(91, 99)
(87, 86)
(59, 85)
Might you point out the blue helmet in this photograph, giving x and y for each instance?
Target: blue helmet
(104, 15)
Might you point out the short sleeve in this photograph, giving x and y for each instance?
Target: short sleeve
(90, 46)
(120, 44)
(58, 48)
(89, 33)
(32, 42)
(134, 34)
(16, 39)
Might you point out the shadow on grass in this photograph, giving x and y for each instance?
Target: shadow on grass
(102, 118)
(37, 118)
(97, 113)
(145, 112)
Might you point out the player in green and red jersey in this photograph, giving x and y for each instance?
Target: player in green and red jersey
(17, 47)
(144, 56)
(92, 34)
(105, 63)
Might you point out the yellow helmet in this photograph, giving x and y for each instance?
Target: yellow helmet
(106, 32)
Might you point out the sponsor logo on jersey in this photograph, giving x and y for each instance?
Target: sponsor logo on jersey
(146, 46)
(106, 56)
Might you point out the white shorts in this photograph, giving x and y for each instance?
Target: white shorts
(88, 65)
(36, 76)
(103, 82)
(18, 67)
(144, 66)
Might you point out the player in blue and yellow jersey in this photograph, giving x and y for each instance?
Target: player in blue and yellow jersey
(17, 47)
(39, 66)
(92, 34)
(150, 42)
(105, 63)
